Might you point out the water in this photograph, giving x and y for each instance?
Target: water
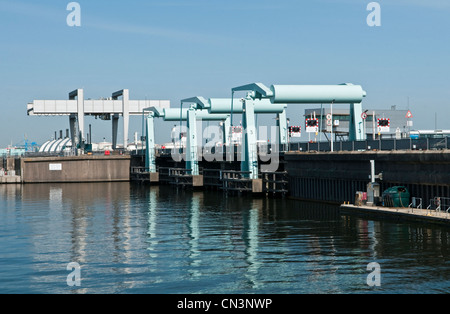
(140, 239)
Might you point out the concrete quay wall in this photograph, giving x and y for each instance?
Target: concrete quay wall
(336, 177)
(75, 169)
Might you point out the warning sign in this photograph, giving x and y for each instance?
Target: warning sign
(312, 125)
(409, 115)
(384, 125)
(295, 131)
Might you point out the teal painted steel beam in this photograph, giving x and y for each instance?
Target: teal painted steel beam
(300, 94)
(201, 102)
(191, 115)
(282, 128)
(336, 94)
(260, 106)
(174, 114)
(259, 89)
(157, 111)
(346, 93)
(356, 125)
(249, 161)
(223, 105)
(226, 128)
(150, 160)
(191, 143)
(256, 102)
(317, 94)
(306, 94)
(186, 115)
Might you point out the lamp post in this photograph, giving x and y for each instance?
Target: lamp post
(364, 119)
(332, 124)
(289, 134)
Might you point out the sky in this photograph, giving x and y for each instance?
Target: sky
(173, 49)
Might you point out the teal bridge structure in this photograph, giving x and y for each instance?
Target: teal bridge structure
(257, 99)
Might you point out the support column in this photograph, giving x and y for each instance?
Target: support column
(226, 131)
(150, 161)
(356, 125)
(115, 127)
(249, 150)
(79, 95)
(191, 143)
(126, 116)
(80, 99)
(73, 135)
(125, 113)
(283, 129)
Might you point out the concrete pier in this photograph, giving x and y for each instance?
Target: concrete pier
(336, 177)
(333, 177)
(10, 170)
(10, 179)
(401, 214)
(75, 169)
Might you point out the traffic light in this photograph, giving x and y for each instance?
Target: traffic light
(295, 131)
(384, 125)
(312, 125)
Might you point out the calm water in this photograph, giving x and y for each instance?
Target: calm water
(135, 239)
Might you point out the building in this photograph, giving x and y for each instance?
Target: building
(391, 123)
(76, 108)
(12, 151)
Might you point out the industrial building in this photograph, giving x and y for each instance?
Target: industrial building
(76, 108)
(12, 151)
(376, 123)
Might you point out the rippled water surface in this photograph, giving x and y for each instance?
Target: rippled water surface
(139, 239)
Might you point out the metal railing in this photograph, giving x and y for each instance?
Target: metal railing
(380, 145)
(440, 204)
(367, 145)
(139, 170)
(416, 203)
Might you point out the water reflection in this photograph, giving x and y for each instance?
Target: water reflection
(194, 235)
(251, 241)
(131, 238)
(152, 223)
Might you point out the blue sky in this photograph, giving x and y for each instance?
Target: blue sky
(177, 49)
